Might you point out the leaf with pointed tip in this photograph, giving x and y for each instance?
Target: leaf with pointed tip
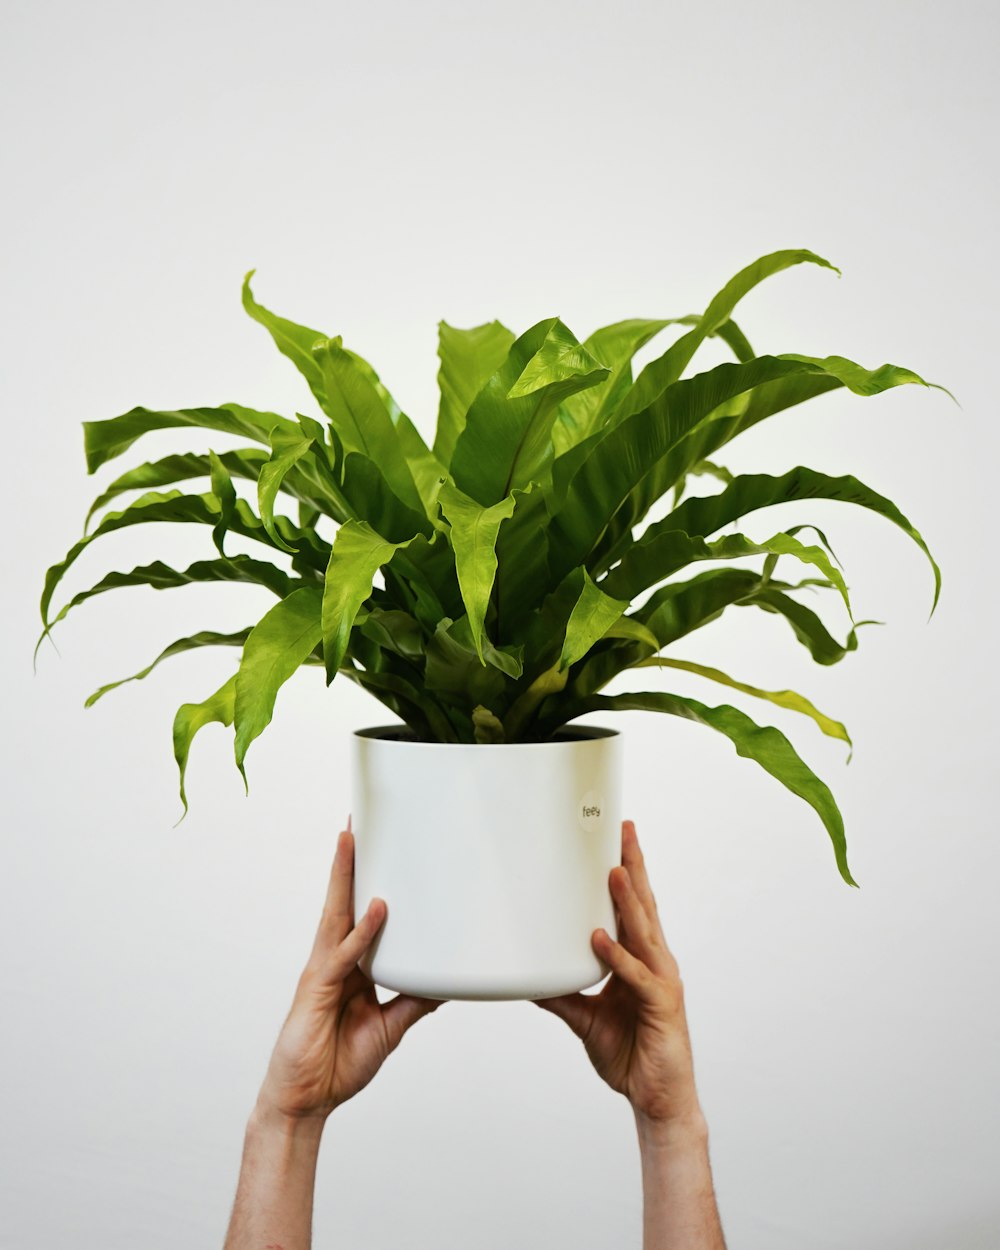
(671, 550)
(787, 699)
(663, 372)
(225, 492)
(244, 463)
(360, 418)
(278, 644)
(292, 340)
(357, 555)
(199, 509)
(160, 576)
(707, 514)
(104, 440)
(473, 536)
(205, 638)
(287, 450)
(614, 346)
(766, 745)
(469, 358)
(632, 464)
(593, 615)
(191, 717)
(507, 439)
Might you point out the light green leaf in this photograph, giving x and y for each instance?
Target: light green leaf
(244, 463)
(361, 420)
(206, 638)
(666, 370)
(278, 644)
(292, 340)
(287, 450)
(473, 537)
(358, 554)
(787, 699)
(593, 615)
(225, 492)
(469, 358)
(191, 717)
(104, 440)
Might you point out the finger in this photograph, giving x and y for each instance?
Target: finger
(575, 1009)
(338, 911)
(350, 950)
(403, 1011)
(624, 965)
(634, 861)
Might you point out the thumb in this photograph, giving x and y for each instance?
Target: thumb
(403, 1011)
(573, 1008)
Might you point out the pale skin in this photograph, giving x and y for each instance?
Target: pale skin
(337, 1035)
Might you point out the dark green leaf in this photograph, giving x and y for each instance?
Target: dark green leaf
(767, 746)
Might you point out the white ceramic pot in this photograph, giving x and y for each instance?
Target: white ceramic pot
(493, 861)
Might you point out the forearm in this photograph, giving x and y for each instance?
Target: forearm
(679, 1211)
(274, 1197)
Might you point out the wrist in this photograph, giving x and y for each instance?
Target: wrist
(268, 1123)
(681, 1131)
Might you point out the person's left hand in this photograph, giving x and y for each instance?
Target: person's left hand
(337, 1034)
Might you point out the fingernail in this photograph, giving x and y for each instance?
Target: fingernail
(348, 822)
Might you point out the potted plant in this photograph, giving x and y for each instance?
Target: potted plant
(487, 588)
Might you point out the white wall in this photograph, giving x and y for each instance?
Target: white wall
(383, 166)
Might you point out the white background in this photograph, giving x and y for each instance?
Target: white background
(384, 166)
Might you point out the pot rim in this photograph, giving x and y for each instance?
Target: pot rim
(393, 735)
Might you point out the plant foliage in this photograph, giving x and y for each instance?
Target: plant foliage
(487, 587)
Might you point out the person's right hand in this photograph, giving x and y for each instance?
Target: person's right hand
(635, 1030)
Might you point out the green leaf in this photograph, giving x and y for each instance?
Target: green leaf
(287, 450)
(394, 631)
(787, 699)
(277, 645)
(244, 463)
(191, 717)
(633, 463)
(160, 576)
(225, 493)
(360, 418)
(358, 554)
(199, 509)
(427, 470)
(488, 728)
(206, 638)
(593, 615)
(469, 358)
(291, 339)
(614, 346)
(454, 674)
(373, 499)
(104, 440)
(473, 537)
(666, 370)
(669, 551)
(767, 746)
(506, 442)
(705, 515)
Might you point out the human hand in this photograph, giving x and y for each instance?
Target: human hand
(635, 1030)
(337, 1034)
